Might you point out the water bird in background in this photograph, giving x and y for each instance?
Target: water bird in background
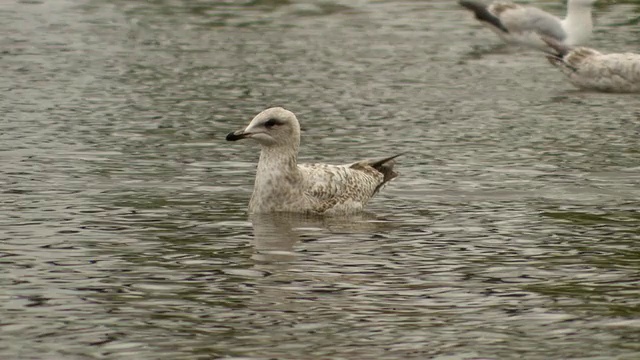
(523, 25)
(283, 185)
(590, 69)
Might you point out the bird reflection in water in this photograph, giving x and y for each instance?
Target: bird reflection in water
(276, 234)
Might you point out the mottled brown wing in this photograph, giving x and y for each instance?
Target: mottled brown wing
(331, 185)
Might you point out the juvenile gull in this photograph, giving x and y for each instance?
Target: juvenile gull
(283, 185)
(590, 69)
(523, 25)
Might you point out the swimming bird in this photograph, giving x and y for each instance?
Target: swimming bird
(523, 25)
(590, 69)
(283, 185)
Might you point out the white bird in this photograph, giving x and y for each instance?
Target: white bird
(523, 25)
(283, 185)
(590, 69)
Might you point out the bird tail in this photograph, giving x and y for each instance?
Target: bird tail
(483, 14)
(385, 167)
(556, 55)
(559, 49)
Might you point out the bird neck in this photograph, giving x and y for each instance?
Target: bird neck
(277, 171)
(578, 23)
(277, 167)
(276, 159)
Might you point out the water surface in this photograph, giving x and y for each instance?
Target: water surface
(512, 231)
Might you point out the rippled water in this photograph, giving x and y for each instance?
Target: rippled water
(511, 233)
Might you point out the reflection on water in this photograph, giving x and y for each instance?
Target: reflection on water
(510, 233)
(276, 235)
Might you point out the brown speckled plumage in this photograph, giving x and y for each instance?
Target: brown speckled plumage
(282, 185)
(590, 69)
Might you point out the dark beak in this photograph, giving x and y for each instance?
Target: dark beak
(236, 135)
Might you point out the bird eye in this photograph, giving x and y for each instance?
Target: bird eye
(270, 123)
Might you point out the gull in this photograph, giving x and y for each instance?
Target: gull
(523, 25)
(283, 185)
(590, 69)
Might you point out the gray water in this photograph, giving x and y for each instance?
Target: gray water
(511, 233)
